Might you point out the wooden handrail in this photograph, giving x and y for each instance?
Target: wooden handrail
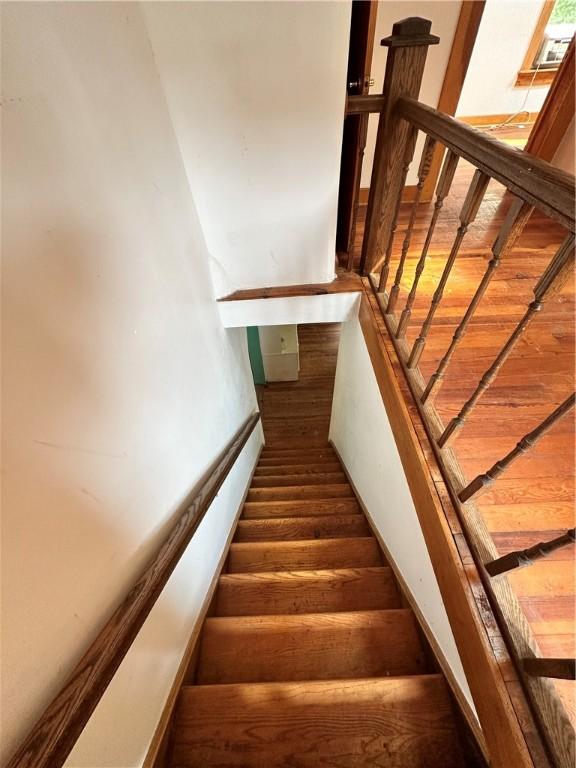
(363, 105)
(537, 182)
(55, 733)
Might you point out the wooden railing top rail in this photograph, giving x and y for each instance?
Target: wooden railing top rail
(55, 733)
(549, 189)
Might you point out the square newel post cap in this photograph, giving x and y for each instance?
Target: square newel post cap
(410, 32)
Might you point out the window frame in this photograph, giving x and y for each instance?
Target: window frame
(527, 74)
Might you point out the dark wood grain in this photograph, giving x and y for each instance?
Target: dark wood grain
(404, 70)
(362, 105)
(344, 282)
(535, 181)
(524, 557)
(55, 733)
(563, 669)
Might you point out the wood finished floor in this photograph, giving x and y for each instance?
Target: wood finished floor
(534, 500)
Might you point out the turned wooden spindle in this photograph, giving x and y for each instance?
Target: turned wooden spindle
(551, 283)
(442, 189)
(467, 215)
(513, 225)
(484, 481)
(560, 669)
(409, 153)
(408, 47)
(524, 557)
(423, 170)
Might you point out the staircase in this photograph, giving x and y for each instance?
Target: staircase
(310, 657)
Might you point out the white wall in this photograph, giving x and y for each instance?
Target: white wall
(296, 310)
(564, 157)
(444, 16)
(120, 384)
(256, 91)
(503, 38)
(362, 434)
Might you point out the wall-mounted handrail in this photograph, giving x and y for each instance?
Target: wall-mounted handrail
(52, 737)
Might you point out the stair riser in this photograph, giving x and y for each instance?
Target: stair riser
(294, 528)
(283, 480)
(298, 469)
(264, 509)
(291, 493)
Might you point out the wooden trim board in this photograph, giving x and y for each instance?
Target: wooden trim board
(344, 282)
(503, 734)
(157, 754)
(467, 712)
(456, 69)
(557, 111)
(526, 73)
(489, 120)
(527, 77)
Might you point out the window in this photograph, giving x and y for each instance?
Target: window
(554, 30)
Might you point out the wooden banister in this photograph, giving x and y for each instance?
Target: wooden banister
(422, 175)
(467, 215)
(485, 480)
(55, 733)
(442, 189)
(514, 223)
(561, 669)
(408, 47)
(524, 557)
(550, 284)
(535, 181)
(535, 185)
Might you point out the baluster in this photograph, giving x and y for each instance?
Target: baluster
(423, 170)
(384, 272)
(525, 557)
(513, 225)
(482, 482)
(560, 669)
(405, 62)
(467, 215)
(551, 282)
(442, 189)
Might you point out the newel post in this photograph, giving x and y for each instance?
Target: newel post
(408, 47)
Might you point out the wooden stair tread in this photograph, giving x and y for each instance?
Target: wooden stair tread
(288, 479)
(295, 592)
(314, 646)
(298, 469)
(293, 528)
(300, 508)
(303, 555)
(290, 493)
(299, 460)
(397, 722)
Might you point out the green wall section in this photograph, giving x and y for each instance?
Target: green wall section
(255, 353)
